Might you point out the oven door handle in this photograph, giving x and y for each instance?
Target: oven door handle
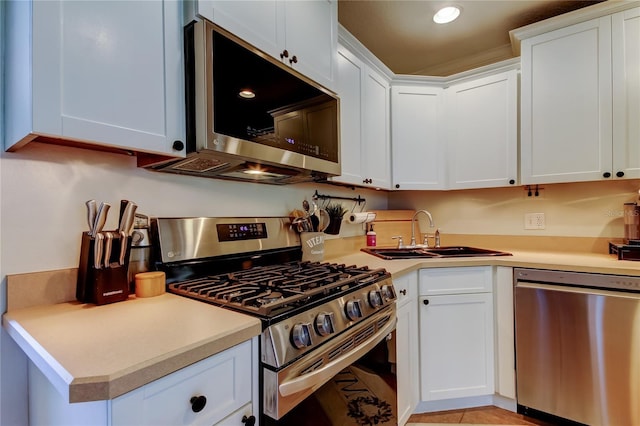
(318, 377)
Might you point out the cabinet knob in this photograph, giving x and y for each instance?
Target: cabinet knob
(512, 181)
(425, 301)
(293, 60)
(178, 145)
(198, 403)
(606, 174)
(284, 54)
(403, 292)
(620, 174)
(249, 421)
(397, 185)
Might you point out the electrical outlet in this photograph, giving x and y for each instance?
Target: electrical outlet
(534, 221)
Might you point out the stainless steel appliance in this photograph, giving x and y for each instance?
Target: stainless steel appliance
(578, 346)
(250, 117)
(318, 318)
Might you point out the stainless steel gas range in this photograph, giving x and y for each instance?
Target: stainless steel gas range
(317, 318)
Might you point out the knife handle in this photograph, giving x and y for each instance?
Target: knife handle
(124, 242)
(97, 251)
(128, 218)
(123, 207)
(92, 209)
(108, 243)
(101, 218)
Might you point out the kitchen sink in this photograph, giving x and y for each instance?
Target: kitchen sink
(390, 253)
(396, 253)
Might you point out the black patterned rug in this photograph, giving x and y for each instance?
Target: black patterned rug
(357, 397)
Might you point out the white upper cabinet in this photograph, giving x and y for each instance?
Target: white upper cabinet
(482, 132)
(95, 72)
(302, 34)
(417, 137)
(626, 92)
(580, 101)
(364, 123)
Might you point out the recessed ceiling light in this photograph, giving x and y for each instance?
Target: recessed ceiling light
(247, 94)
(446, 14)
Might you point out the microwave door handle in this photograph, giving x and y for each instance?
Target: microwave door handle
(320, 376)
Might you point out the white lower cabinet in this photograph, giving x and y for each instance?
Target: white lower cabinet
(456, 333)
(406, 287)
(220, 388)
(505, 338)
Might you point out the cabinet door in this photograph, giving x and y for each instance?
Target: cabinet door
(259, 23)
(311, 29)
(417, 137)
(224, 379)
(407, 360)
(456, 346)
(406, 286)
(307, 30)
(375, 141)
(626, 93)
(482, 132)
(349, 86)
(566, 130)
(103, 72)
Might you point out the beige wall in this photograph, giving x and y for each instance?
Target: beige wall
(590, 209)
(44, 189)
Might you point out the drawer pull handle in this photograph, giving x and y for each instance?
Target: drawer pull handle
(198, 403)
(425, 301)
(403, 291)
(249, 421)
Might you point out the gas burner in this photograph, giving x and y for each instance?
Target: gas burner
(269, 297)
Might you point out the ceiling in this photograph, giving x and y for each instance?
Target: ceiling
(404, 37)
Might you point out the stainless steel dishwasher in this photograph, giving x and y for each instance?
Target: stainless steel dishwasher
(578, 346)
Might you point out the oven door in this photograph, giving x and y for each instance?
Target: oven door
(352, 370)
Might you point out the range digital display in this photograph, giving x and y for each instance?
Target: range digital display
(241, 231)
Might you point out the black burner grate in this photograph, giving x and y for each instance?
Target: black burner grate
(273, 289)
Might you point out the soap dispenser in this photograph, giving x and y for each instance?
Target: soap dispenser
(371, 237)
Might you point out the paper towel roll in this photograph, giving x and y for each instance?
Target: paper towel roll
(362, 217)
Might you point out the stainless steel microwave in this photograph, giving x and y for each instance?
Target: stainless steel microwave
(251, 117)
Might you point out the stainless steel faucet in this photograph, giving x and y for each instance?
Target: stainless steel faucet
(425, 243)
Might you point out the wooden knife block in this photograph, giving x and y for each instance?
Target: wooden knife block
(103, 285)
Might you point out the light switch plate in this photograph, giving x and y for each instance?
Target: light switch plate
(534, 221)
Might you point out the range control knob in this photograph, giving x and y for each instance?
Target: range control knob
(353, 309)
(388, 292)
(324, 323)
(301, 335)
(375, 299)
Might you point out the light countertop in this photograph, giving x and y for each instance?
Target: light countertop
(100, 352)
(94, 352)
(579, 262)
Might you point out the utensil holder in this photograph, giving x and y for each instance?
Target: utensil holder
(103, 284)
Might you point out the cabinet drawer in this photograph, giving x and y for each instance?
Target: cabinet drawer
(223, 379)
(406, 286)
(456, 280)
